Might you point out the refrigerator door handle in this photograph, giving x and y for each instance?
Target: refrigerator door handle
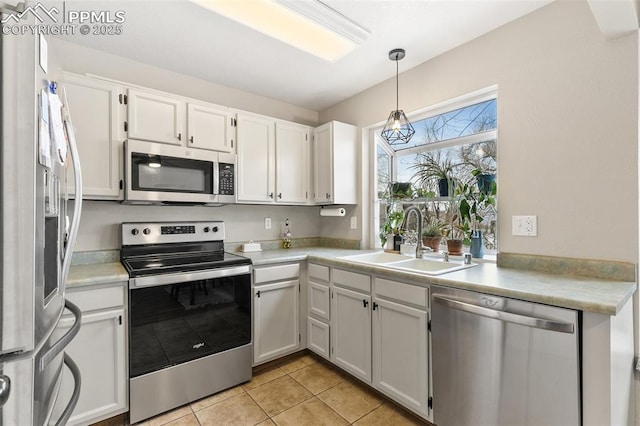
(77, 205)
(59, 346)
(5, 389)
(75, 371)
(520, 319)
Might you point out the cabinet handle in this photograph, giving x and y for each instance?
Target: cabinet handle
(258, 293)
(280, 195)
(191, 139)
(179, 136)
(375, 306)
(327, 195)
(271, 195)
(365, 303)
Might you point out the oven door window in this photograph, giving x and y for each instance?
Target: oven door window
(178, 323)
(170, 174)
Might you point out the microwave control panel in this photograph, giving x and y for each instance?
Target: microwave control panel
(227, 179)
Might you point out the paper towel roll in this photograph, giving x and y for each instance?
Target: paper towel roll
(333, 212)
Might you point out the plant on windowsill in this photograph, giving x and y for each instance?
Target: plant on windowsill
(432, 235)
(472, 208)
(433, 171)
(390, 230)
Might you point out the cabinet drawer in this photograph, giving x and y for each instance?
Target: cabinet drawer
(319, 272)
(90, 299)
(276, 273)
(407, 293)
(352, 280)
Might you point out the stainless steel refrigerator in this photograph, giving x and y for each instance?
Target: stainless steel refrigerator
(35, 240)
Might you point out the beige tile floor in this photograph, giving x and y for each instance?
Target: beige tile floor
(303, 390)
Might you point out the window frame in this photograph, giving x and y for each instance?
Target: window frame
(375, 140)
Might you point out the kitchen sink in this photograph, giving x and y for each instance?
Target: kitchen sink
(429, 266)
(434, 266)
(379, 257)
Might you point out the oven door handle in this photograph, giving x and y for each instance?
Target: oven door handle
(156, 280)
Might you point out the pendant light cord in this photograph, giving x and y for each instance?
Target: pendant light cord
(397, 87)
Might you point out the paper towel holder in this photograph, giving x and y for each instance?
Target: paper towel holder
(333, 211)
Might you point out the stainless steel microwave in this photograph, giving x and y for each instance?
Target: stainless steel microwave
(164, 174)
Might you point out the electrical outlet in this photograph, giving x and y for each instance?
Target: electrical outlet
(354, 222)
(267, 223)
(525, 226)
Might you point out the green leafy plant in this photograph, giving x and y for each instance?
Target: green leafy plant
(430, 168)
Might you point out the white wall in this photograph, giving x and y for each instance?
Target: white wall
(567, 123)
(100, 222)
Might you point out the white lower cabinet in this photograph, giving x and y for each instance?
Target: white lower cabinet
(400, 343)
(351, 331)
(374, 328)
(400, 363)
(318, 310)
(318, 337)
(99, 349)
(276, 305)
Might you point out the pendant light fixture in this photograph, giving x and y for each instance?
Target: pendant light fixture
(398, 130)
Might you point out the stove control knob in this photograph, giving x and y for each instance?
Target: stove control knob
(146, 231)
(135, 231)
(214, 229)
(206, 229)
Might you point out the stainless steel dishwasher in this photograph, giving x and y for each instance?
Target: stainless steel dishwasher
(500, 361)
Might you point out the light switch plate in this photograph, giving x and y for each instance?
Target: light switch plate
(354, 222)
(526, 226)
(267, 223)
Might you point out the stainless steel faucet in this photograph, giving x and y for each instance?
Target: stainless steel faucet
(419, 247)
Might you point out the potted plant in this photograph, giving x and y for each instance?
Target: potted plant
(433, 171)
(486, 180)
(391, 230)
(472, 208)
(432, 235)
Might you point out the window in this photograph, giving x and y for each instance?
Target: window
(451, 166)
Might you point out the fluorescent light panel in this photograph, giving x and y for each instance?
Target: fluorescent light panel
(308, 25)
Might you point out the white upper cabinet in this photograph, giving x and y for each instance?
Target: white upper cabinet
(256, 159)
(209, 128)
(335, 164)
(273, 160)
(156, 118)
(98, 117)
(292, 163)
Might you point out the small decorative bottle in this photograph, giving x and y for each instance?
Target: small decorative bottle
(286, 235)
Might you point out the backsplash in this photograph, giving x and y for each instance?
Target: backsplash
(604, 269)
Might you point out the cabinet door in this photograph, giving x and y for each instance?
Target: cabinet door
(209, 128)
(318, 337)
(322, 165)
(318, 300)
(155, 118)
(292, 163)
(276, 310)
(400, 360)
(351, 332)
(256, 162)
(99, 350)
(98, 121)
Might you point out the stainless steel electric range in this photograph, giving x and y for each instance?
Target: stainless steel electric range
(189, 314)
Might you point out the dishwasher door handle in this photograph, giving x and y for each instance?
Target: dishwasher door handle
(528, 321)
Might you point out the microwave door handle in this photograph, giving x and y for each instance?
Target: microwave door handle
(216, 178)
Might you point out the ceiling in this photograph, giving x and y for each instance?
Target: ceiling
(180, 36)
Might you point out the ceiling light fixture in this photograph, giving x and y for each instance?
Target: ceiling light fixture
(398, 129)
(310, 25)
